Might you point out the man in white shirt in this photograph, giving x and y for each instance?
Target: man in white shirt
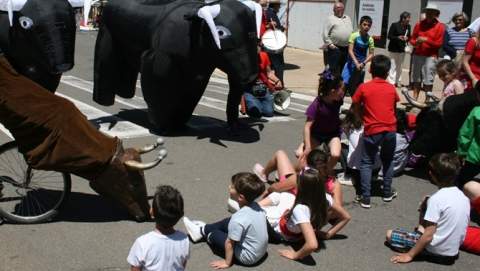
(444, 222)
(336, 31)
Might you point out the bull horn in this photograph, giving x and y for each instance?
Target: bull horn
(135, 165)
(257, 8)
(208, 13)
(411, 100)
(151, 147)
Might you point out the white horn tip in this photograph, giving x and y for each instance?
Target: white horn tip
(160, 141)
(162, 153)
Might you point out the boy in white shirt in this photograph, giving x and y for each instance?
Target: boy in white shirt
(164, 248)
(443, 221)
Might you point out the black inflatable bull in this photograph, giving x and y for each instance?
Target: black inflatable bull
(38, 37)
(175, 45)
(437, 124)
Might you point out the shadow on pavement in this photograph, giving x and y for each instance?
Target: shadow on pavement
(198, 126)
(81, 207)
(289, 66)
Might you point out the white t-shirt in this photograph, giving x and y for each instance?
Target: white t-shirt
(449, 208)
(355, 149)
(155, 251)
(281, 202)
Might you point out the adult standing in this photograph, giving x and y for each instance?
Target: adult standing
(277, 59)
(336, 33)
(456, 37)
(398, 34)
(471, 61)
(427, 38)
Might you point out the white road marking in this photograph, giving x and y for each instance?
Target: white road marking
(119, 127)
(204, 101)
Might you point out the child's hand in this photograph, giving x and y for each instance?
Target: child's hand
(221, 264)
(401, 258)
(288, 253)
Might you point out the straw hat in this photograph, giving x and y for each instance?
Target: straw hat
(432, 7)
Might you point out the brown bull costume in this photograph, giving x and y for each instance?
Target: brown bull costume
(54, 135)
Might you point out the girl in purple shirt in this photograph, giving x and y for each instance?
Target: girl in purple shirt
(323, 119)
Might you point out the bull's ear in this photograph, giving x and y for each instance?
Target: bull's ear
(208, 13)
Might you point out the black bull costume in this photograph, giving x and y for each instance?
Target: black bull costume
(50, 131)
(175, 45)
(438, 125)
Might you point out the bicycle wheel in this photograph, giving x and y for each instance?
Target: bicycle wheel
(29, 195)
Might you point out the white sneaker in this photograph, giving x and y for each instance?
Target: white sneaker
(258, 169)
(344, 179)
(194, 228)
(232, 206)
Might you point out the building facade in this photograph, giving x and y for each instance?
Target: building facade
(305, 18)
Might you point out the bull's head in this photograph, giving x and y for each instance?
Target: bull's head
(38, 37)
(124, 182)
(235, 30)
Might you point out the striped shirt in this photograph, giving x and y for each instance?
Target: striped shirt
(458, 39)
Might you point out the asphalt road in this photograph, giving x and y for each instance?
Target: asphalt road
(91, 234)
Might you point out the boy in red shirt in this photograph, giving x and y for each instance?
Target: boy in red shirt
(378, 100)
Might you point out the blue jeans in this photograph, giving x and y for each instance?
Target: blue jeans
(217, 233)
(387, 142)
(259, 106)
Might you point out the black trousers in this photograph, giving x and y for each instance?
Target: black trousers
(336, 59)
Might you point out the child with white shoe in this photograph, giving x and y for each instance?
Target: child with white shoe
(243, 237)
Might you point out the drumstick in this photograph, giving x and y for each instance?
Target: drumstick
(274, 28)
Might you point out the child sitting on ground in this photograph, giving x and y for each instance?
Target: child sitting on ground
(243, 237)
(298, 218)
(447, 71)
(288, 176)
(443, 219)
(163, 248)
(323, 119)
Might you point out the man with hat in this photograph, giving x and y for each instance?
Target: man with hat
(427, 39)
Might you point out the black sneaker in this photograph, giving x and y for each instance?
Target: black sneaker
(388, 198)
(365, 203)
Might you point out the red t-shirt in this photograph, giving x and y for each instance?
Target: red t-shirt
(471, 48)
(378, 98)
(434, 33)
(264, 62)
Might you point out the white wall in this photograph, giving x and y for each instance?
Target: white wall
(306, 22)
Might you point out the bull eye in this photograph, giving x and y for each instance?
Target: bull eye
(223, 32)
(25, 22)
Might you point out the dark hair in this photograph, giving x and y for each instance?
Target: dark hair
(367, 19)
(318, 159)
(167, 206)
(446, 66)
(249, 185)
(380, 66)
(311, 192)
(444, 167)
(327, 82)
(351, 121)
(404, 15)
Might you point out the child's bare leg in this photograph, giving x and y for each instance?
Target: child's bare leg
(472, 190)
(389, 236)
(335, 147)
(279, 162)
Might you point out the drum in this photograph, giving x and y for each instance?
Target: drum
(274, 41)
